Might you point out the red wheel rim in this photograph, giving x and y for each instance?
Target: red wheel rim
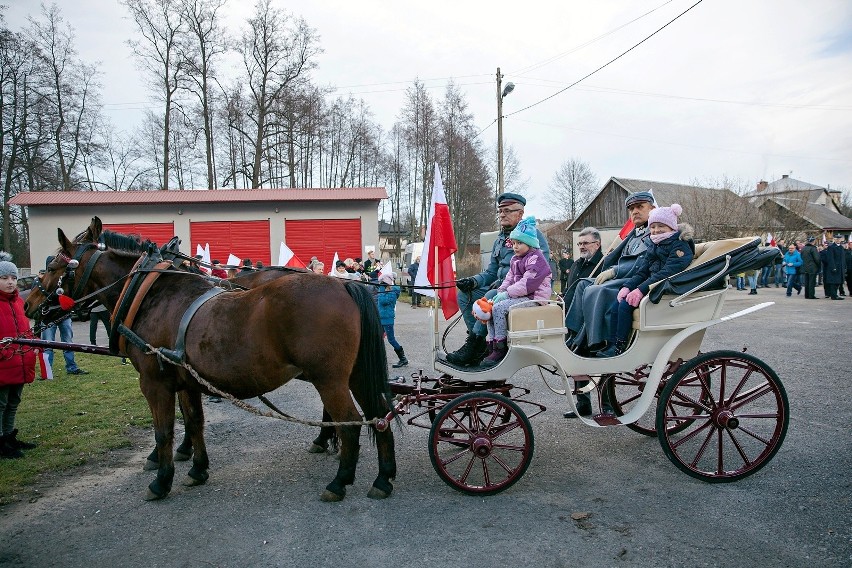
(732, 413)
(481, 443)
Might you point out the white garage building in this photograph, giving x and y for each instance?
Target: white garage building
(249, 223)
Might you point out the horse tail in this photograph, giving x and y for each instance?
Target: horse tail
(372, 361)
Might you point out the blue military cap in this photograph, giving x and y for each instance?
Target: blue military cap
(508, 198)
(638, 197)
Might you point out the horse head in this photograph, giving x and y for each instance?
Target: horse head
(69, 274)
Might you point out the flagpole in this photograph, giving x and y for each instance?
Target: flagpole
(435, 308)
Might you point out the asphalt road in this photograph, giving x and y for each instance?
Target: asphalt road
(630, 505)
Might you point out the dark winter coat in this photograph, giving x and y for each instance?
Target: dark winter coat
(663, 260)
(15, 368)
(582, 268)
(386, 300)
(810, 259)
(847, 254)
(835, 264)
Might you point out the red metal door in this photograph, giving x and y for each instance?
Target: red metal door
(245, 239)
(322, 238)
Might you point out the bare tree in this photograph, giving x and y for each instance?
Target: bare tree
(160, 24)
(70, 87)
(204, 42)
(572, 188)
(276, 49)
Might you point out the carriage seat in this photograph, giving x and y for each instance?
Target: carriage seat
(706, 303)
(536, 321)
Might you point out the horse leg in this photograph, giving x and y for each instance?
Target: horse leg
(182, 453)
(161, 401)
(193, 417)
(382, 486)
(326, 435)
(338, 402)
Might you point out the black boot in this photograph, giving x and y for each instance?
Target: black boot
(13, 441)
(402, 360)
(471, 353)
(7, 451)
(614, 348)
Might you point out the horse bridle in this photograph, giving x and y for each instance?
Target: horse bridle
(51, 299)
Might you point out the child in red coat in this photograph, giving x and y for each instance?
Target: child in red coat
(16, 367)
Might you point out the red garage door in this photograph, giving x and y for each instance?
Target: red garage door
(324, 237)
(245, 239)
(159, 233)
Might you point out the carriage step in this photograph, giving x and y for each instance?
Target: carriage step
(606, 419)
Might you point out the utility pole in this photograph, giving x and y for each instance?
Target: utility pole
(501, 184)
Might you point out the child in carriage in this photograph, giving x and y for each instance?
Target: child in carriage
(528, 279)
(670, 251)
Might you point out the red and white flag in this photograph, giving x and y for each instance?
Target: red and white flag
(770, 240)
(440, 236)
(387, 269)
(205, 256)
(44, 367)
(287, 257)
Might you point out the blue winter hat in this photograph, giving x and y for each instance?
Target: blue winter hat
(525, 232)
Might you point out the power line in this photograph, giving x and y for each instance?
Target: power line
(608, 62)
(541, 64)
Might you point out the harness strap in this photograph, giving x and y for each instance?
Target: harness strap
(123, 304)
(178, 354)
(86, 273)
(144, 286)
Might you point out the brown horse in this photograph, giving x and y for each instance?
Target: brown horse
(317, 328)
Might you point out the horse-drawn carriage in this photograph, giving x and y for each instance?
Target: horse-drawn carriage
(720, 416)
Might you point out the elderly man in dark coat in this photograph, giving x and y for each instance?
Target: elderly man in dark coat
(510, 211)
(835, 267)
(587, 317)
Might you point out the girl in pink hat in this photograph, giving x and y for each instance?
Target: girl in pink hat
(670, 251)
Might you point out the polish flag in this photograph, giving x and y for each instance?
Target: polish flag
(334, 263)
(770, 240)
(234, 260)
(287, 257)
(439, 234)
(205, 256)
(44, 368)
(387, 269)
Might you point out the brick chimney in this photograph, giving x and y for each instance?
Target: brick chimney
(761, 185)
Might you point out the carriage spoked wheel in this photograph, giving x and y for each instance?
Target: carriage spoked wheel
(732, 414)
(481, 443)
(624, 389)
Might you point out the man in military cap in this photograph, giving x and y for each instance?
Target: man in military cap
(510, 211)
(586, 317)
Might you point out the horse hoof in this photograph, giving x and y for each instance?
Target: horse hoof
(376, 493)
(150, 465)
(190, 481)
(182, 457)
(331, 497)
(316, 449)
(151, 496)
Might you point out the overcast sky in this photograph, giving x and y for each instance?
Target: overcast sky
(750, 90)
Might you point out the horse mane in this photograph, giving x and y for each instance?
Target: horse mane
(126, 243)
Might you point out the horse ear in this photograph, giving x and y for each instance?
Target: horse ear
(95, 229)
(64, 243)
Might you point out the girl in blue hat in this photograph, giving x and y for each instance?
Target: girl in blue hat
(528, 279)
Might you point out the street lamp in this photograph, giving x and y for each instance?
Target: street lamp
(501, 186)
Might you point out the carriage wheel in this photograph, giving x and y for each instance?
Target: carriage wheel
(481, 443)
(733, 411)
(624, 389)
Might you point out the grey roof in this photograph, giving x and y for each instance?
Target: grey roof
(818, 215)
(667, 193)
(788, 185)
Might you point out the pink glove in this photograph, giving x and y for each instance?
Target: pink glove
(634, 297)
(623, 293)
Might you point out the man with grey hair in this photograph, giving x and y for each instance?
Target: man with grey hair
(589, 244)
